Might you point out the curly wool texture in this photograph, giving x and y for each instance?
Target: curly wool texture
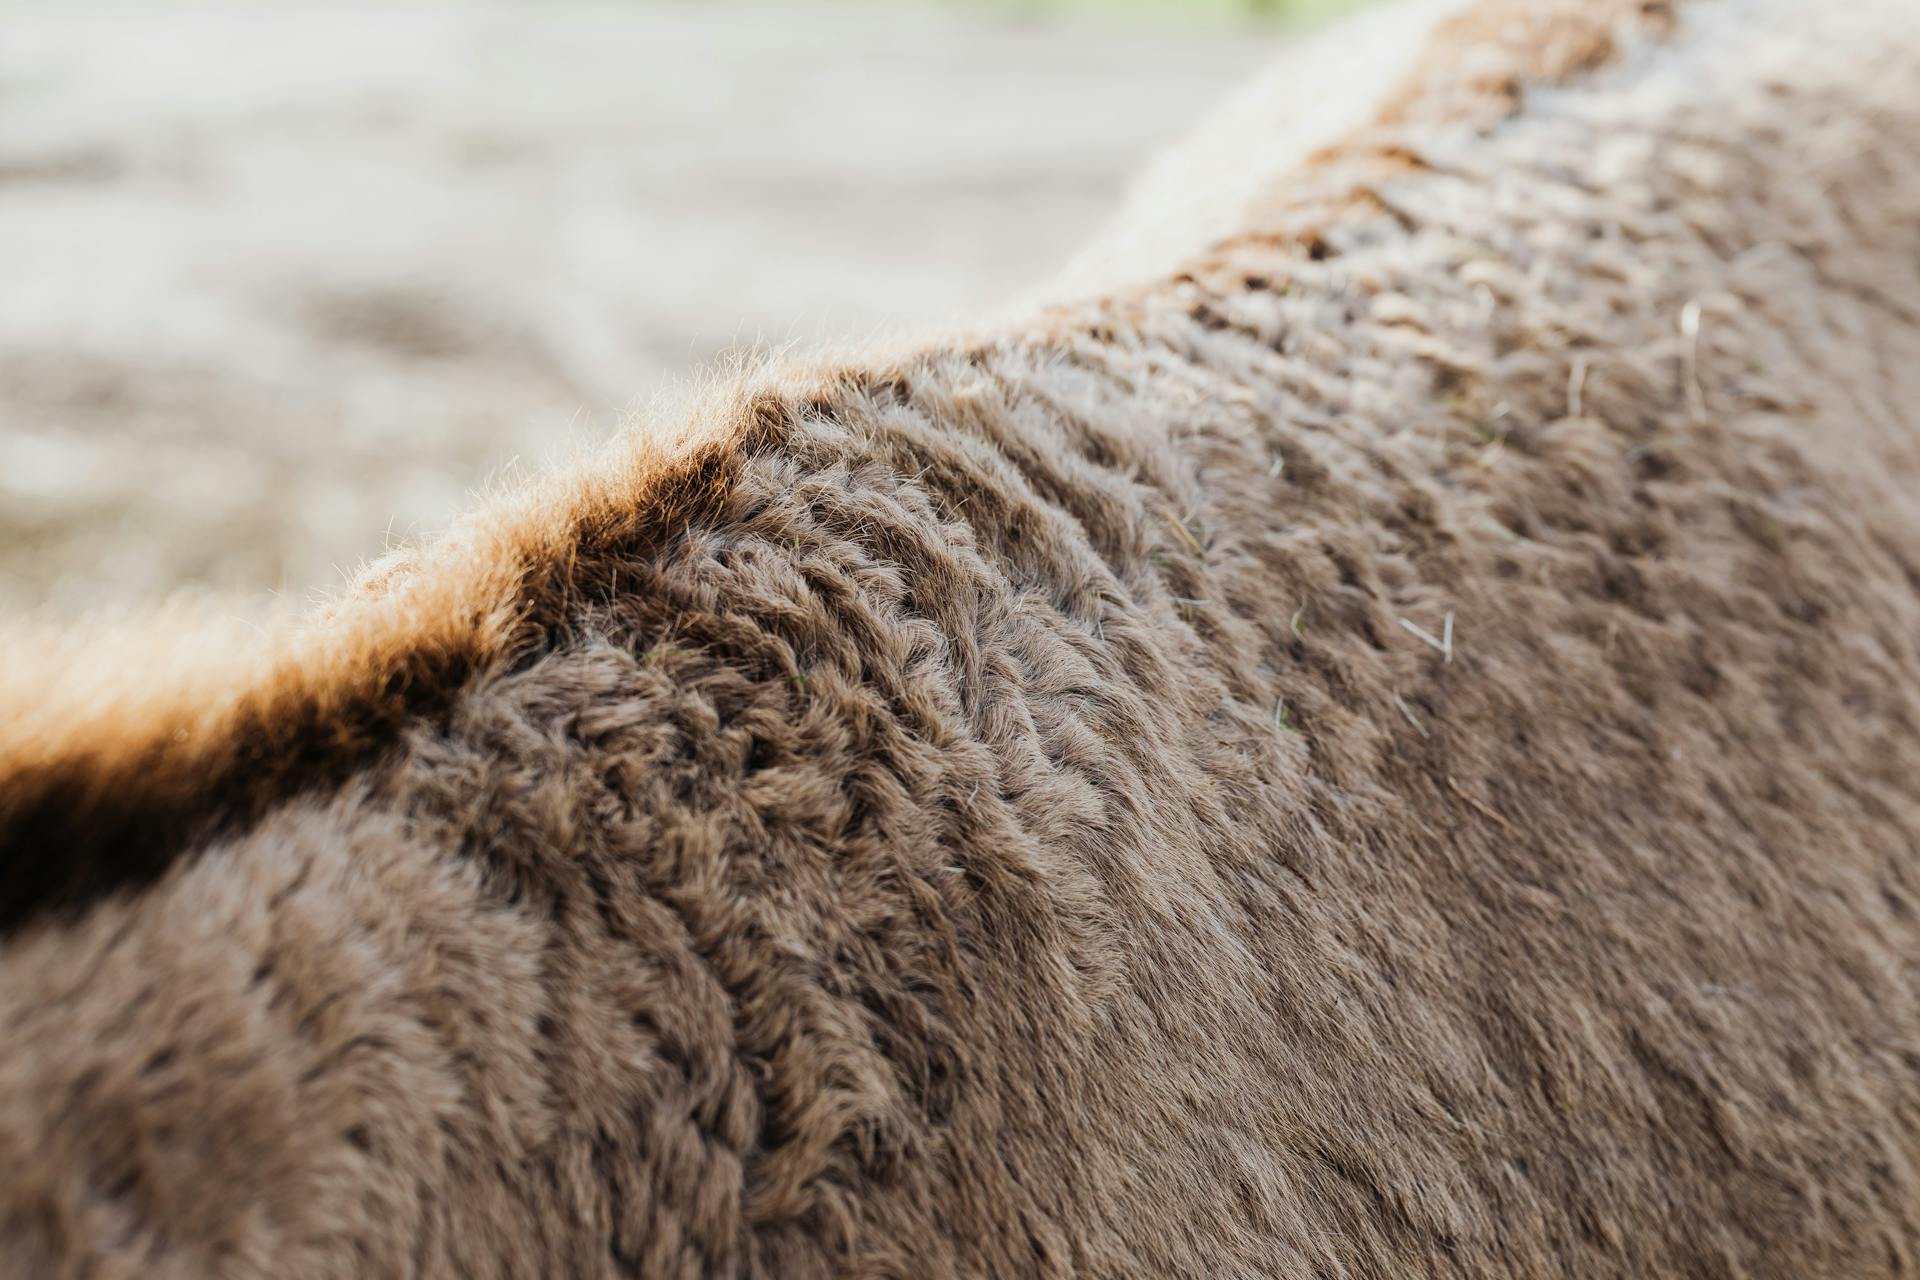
(1010, 827)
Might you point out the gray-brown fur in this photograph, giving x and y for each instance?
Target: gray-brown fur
(1007, 827)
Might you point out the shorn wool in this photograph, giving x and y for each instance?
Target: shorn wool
(1381, 741)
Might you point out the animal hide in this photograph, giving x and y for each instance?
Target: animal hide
(1383, 744)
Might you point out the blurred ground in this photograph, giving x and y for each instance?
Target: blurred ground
(284, 280)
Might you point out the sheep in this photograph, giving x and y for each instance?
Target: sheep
(1378, 744)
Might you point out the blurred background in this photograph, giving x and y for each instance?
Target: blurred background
(286, 281)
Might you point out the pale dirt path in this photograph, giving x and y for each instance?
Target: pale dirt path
(275, 280)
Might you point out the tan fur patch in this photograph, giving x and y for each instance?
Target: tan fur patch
(120, 748)
(1481, 61)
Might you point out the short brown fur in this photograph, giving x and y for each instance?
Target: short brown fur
(1385, 754)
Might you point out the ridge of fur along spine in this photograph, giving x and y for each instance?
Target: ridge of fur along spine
(1382, 748)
